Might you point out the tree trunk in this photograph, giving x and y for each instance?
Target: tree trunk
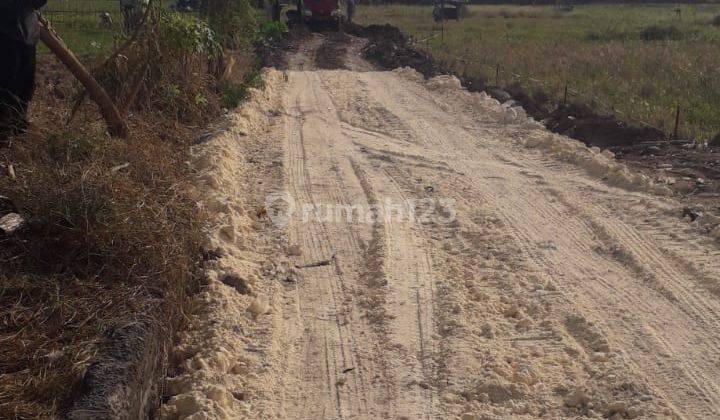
(116, 124)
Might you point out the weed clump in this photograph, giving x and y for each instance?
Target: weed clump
(272, 32)
(661, 33)
(112, 230)
(232, 92)
(232, 20)
(716, 21)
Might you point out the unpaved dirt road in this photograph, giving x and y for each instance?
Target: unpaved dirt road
(486, 272)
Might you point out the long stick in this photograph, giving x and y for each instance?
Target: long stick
(677, 123)
(116, 125)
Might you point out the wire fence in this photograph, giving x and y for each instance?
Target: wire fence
(83, 12)
(559, 93)
(88, 27)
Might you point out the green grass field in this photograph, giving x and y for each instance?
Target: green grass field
(78, 23)
(610, 55)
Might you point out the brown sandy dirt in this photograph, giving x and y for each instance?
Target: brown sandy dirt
(535, 278)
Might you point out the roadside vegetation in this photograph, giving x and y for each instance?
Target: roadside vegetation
(637, 61)
(94, 286)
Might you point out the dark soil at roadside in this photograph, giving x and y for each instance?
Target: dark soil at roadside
(274, 54)
(389, 48)
(693, 172)
(331, 54)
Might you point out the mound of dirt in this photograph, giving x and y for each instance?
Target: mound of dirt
(580, 122)
(273, 54)
(377, 32)
(715, 142)
(647, 149)
(533, 107)
(332, 52)
(389, 48)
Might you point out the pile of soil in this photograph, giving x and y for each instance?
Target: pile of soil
(697, 171)
(330, 55)
(273, 54)
(580, 122)
(389, 48)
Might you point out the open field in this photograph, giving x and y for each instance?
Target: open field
(78, 23)
(605, 53)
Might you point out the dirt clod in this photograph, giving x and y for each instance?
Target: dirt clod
(577, 398)
(580, 122)
(238, 283)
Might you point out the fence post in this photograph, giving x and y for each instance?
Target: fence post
(565, 96)
(442, 30)
(677, 123)
(497, 74)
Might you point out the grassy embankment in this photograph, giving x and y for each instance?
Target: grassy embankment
(641, 61)
(94, 287)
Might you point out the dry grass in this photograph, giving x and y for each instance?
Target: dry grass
(598, 50)
(114, 232)
(53, 328)
(109, 255)
(102, 244)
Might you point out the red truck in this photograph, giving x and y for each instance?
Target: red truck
(319, 13)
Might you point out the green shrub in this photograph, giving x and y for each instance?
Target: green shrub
(233, 20)
(182, 59)
(188, 35)
(661, 33)
(231, 94)
(273, 31)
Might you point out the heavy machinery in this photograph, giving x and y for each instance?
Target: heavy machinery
(448, 9)
(319, 14)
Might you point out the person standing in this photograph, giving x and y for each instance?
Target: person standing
(18, 41)
(350, 10)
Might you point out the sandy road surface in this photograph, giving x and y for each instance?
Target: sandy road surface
(522, 284)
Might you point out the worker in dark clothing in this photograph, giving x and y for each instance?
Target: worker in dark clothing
(350, 10)
(18, 39)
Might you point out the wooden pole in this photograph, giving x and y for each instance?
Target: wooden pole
(442, 22)
(116, 124)
(677, 123)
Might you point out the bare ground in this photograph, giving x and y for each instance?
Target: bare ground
(545, 281)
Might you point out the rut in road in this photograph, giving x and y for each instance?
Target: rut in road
(445, 256)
